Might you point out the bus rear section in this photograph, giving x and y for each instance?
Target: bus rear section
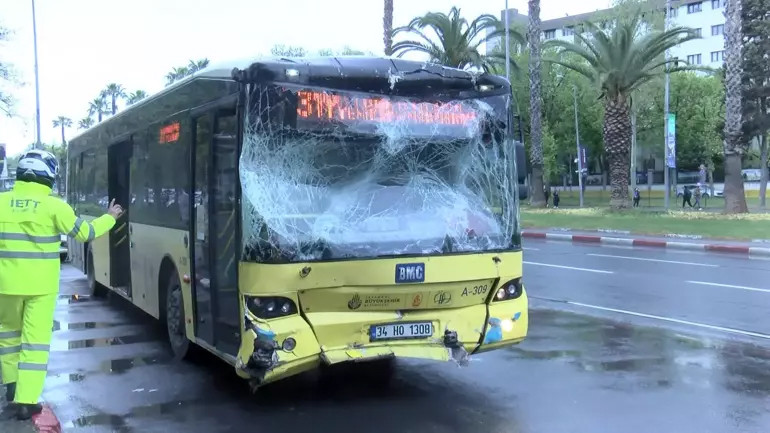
(379, 215)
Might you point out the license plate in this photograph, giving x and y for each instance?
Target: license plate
(397, 331)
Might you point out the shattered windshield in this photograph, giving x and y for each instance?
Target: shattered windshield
(335, 175)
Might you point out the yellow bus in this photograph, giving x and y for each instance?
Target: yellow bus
(286, 214)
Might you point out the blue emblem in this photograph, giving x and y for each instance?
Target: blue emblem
(410, 273)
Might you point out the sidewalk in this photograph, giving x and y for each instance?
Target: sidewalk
(682, 242)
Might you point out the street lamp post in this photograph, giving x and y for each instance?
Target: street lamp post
(38, 145)
(577, 144)
(666, 156)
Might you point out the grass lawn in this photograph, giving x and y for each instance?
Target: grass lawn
(708, 224)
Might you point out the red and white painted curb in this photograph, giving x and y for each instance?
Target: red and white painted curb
(46, 421)
(609, 240)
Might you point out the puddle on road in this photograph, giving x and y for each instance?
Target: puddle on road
(120, 422)
(60, 325)
(112, 366)
(65, 345)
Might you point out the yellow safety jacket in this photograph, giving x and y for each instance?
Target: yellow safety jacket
(31, 224)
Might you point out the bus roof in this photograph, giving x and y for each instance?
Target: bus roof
(342, 66)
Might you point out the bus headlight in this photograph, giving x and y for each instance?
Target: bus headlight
(509, 290)
(270, 307)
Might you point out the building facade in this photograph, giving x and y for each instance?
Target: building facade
(706, 16)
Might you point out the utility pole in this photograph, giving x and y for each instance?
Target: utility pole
(507, 45)
(633, 147)
(38, 144)
(666, 156)
(577, 144)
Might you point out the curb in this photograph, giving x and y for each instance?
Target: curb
(46, 421)
(632, 242)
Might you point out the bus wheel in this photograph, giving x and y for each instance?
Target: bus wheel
(177, 337)
(97, 289)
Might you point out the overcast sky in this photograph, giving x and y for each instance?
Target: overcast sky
(85, 44)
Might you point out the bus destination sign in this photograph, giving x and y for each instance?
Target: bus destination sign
(323, 106)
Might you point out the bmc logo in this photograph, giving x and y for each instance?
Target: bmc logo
(410, 273)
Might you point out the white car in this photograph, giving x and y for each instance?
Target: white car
(63, 249)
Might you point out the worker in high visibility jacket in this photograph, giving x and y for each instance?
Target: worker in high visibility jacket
(32, 221)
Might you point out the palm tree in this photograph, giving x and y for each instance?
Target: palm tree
(387, 27)
(618, 61)
(135, 97)
(734, 145)
(196, 65)
(85, 123)
(62, 122)
(176, 74)
(459, 41)
(115, 91)
(535, 105)
(98, 106)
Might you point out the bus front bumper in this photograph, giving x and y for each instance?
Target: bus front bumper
(271, 351)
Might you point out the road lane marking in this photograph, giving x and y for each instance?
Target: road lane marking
(598, 271)
(531, 249)
(753, 289)
(707, 265)
(669, 319)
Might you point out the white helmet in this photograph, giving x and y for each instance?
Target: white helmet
(38, 166)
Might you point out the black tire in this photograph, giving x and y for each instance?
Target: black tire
(97, 289)
(175, 323)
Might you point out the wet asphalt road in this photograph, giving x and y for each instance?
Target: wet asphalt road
(680, 357)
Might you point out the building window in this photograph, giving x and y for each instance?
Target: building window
(694, 7)
(568, 31)
(717, 29)
(694, 59)
(716, 4)
(674, 12)
(717, 56)
(698, 32)
(549, 34)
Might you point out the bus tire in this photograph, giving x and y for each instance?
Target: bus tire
(175, 322)
(97, 289)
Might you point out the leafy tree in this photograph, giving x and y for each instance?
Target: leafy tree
(756, 81)
(6, 77)
(85, 123)
(619, 61)
(387, 27)
(136, 96)
(98, 107)
(535, 104)
(734, 145)
(62, 122)
(458, 41)
(196, 65)
(114, 91)
(281, 50)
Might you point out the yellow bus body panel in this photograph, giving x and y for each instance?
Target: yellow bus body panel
(340, 301)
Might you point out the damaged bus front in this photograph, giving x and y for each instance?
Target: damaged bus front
(379, 215)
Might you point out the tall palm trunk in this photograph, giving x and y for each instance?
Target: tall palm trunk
(535, 105)
(763, 154)
(114, 104)
(734, 146)
(387, 27)
(63, 142)
(617, 145)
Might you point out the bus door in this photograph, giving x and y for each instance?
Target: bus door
(215, 216)
(118, 174)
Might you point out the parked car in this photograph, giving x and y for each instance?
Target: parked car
(63, 249)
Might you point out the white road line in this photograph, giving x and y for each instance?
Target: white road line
(569, 267)
(655, 260)
(530, 249)
(668, 319)
(753, 289)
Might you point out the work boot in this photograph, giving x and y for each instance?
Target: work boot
(27, 411)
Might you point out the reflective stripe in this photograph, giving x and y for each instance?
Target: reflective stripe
(39, 347)
(78, 222)
(91, 232)
(30, 238)
(33, 367)
(27, 255)
(9, 350)
(10, 334)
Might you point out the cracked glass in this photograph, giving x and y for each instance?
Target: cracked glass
(330, 175)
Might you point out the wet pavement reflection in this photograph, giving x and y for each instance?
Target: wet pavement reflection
(575, 373)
